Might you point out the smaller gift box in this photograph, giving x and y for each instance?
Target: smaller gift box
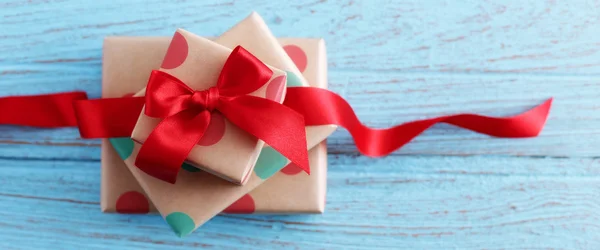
(224, 149)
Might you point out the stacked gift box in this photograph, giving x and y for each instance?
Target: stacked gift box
(228, 170)
(219, 125)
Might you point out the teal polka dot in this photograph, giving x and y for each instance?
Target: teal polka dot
(123, 146)
(181, 223)
(269, 162)
(293, 80)
(187, 167)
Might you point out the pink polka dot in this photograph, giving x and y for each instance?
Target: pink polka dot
(297, 55)
(132, 202)
(291, 169)
(244, 205)
(177, 52)
(275, 89)
(215, 131)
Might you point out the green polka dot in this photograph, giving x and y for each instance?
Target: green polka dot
(181, 223)
(189, 168)
(123, 146)
(269, 162)
(293, 80)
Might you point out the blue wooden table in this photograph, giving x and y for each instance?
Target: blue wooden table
(394, 61)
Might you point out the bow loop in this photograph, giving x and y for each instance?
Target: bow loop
(242, 74)
(166, 95)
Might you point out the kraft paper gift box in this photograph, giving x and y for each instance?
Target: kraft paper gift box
(280, 194)
(226, 194)
(224, 150)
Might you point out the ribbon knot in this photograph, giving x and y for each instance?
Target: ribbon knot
(206, 99)
(186, 115)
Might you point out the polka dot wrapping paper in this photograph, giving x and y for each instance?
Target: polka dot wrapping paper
(198, 195)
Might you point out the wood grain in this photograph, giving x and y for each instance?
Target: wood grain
(445, 36)
(400, 202)
(394, 61)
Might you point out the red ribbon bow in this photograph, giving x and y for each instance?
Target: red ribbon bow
(186, 116)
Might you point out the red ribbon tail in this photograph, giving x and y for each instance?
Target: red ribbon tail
(96, 119)
(333, 109)
(284, 132)
(527, 124)
(174, 136)
(45, 111)
(108, 117)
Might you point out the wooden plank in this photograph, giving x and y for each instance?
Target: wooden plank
(394, 61)
(410, 36)
(400, 202)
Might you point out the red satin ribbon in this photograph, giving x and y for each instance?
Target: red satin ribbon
(116, 117)
(379, 142)
(46, 111)
(186, 115)
(333, 109)
(107, 117)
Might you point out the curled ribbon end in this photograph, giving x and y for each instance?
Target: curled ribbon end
(547, 105)
(543, 110)
(306, 170)
(305, 165)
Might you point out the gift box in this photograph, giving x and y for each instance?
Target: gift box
(291, 192)
(121, 193)
(225, 149)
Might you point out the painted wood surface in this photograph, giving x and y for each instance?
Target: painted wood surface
(394, 61)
